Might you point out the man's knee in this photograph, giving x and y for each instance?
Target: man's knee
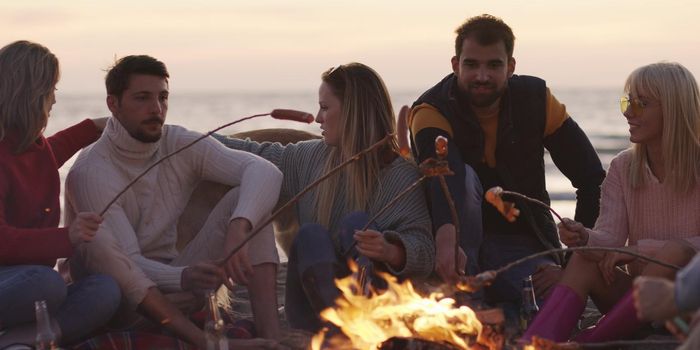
(106, 257)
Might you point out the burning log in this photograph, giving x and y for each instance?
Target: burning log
(369, 321)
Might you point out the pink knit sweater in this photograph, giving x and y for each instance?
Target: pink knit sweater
(647, 216)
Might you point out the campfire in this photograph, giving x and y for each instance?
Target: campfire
(399, 312)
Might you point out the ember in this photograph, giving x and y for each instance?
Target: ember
(369, 321)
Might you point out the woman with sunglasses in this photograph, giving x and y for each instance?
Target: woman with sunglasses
(649, 204)
(355, 112)
(30, 239)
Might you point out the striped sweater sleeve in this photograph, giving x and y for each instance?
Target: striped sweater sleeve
(406, 221)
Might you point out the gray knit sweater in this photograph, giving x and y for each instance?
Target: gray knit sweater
(407, 221)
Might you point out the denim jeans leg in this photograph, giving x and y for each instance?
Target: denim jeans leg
(21, 286)
(471, 225)
(90, 304)
(499, 250)
(312, 245)
(348, 225)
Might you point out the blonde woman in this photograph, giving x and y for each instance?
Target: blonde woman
(30, 239)
(650, 204)
(354, 112)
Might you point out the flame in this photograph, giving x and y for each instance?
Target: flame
(400, 311)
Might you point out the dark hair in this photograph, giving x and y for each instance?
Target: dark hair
(117, 79)
(487, 30)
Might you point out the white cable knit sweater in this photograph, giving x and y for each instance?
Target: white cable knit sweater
(144, 218)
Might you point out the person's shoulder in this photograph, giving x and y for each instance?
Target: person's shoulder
(92, 161)
(624, 157)
(316, 146)
(621, 162)
(6, 149)
(527, 83)
(439, 91)
(402, 168)
(179, 134)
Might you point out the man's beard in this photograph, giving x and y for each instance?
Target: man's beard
(146, 137)
(481, 100)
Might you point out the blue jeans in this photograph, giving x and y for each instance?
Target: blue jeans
(79, 308)
(499, 250)
(492, 251)
(471, 227)
(313, 245)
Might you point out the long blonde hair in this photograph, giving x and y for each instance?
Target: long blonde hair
(366, 117)
(28, 74)
(677, 90)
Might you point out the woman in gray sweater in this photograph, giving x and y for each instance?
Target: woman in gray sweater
(355, 112)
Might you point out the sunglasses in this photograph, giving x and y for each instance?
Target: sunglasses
(636, 104)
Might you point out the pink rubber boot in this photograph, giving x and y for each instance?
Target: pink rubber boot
(618, 323)
(558, 316)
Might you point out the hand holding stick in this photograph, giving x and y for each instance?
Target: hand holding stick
(431, 167)
(303, 192)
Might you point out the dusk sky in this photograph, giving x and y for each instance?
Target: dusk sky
(268, 46)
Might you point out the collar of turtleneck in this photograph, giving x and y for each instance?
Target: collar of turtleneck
(127, 146)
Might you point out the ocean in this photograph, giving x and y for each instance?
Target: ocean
(595, 110)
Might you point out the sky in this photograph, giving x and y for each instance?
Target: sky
(278, 46)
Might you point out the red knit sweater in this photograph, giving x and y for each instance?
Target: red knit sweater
(29, 195)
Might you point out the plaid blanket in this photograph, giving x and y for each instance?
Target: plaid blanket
(133, 340)
(238, 329)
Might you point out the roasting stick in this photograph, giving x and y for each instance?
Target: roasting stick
(430, 168)
(303, 192)
(283, 114)
(493, 196)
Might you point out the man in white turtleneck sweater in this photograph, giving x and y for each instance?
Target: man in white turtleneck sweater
(136, 241)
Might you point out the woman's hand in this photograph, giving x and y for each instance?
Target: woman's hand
(572, 233)
(373, 245)
(84, 228)
(611, 260)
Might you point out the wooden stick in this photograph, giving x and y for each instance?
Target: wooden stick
(574, 249)
(533, 200)
(282, 114)
(303, 192)
(455, 221)
(172, 154)
(473, 283)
